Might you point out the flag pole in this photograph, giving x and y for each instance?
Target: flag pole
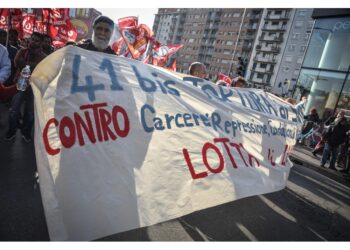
(47, 22)
(8, 27)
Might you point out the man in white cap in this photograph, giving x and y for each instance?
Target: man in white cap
(103, 29)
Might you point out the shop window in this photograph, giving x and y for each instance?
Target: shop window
(329, 40)
(323, 88)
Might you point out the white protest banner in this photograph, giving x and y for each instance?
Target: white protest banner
(121, 144)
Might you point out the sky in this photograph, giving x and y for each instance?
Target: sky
(146, 15)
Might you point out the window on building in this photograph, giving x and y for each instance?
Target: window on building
(191, 40)
(298, 24)
(300, 60)
(263, 65)
(310, 24)
(285, 69)
(302, 48)
(278, 12)
(260, 75)
(236, 14)
(227, 52)
(295, 36)
(291, 47)
(306, 37)
(229, 43)
(268, 79)
(289, 58)
(274, 23)
(302, 13)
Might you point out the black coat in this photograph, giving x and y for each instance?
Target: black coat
(337, 133)
(89, 46)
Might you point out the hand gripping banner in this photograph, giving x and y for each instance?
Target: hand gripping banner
(121, 144)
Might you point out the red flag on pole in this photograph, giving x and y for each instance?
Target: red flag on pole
(161, 54)
(27, 24)
(136, 37)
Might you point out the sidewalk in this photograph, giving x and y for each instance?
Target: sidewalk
(302, 155)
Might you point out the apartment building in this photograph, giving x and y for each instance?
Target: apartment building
(294, 52)
(209, 36)
(168, 25)
(268, 47)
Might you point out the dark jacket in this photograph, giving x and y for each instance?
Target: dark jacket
(312, 117)
(336, 134)
(89, 46)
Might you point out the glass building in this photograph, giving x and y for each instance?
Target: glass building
(324, 75)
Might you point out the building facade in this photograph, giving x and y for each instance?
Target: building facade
(269, 46)
(215, 37)
(324, 74)
(293, 52)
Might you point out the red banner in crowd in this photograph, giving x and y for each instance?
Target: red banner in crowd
(54, 22)
(15, 15)
(27, 24)
(161, 55)
(136, 37)
(65, 33)
(225, 78)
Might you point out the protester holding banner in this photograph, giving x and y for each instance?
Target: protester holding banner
(29, 56)
(103, 28)
(198, 69)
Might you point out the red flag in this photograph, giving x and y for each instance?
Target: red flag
(27, 24)
(65, 33)
(16, 20)
(4, 15)
(129, 22)
(136, 37)
(161, 53)
(225, 78)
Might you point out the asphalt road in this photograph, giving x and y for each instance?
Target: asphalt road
(312, 207)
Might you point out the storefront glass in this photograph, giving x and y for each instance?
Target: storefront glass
(323, 89)
(344, 100)
(329, 46)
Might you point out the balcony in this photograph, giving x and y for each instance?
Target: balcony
(255, 17)
(246, 47)
(268, 49)
(261, 70)
(274, 28)
(264, 59)
(246, 37)
(277, 17)
(251, 27)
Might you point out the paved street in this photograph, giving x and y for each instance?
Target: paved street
(312, 207)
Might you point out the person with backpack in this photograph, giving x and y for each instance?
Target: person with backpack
(334, 136)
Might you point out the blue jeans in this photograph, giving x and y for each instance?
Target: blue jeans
(27, 98)
(329, 150)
